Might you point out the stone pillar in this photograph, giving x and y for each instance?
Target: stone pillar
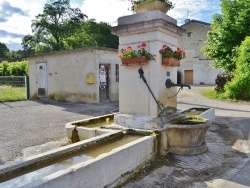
(155, 29)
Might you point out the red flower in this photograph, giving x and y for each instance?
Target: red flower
(161, 51)
(164, 46)
(143, 44)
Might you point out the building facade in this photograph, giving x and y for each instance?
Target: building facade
(196, 67)
(82, 75)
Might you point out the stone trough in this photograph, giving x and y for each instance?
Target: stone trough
(105, 159)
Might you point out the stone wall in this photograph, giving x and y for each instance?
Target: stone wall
(194, 37)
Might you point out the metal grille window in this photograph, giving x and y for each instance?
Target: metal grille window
(117, 73)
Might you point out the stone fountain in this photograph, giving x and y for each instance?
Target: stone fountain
(153, 106)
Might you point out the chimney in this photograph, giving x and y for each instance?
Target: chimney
(187, 20)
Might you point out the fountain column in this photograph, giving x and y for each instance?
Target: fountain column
(155, 29)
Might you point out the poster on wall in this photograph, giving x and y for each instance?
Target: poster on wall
(102, 77)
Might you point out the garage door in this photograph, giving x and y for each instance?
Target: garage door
(188, 76)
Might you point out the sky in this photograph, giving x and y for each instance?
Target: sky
(16, 15)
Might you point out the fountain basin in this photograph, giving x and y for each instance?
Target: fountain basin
(88, 128)
(207, 113)
(186, 136)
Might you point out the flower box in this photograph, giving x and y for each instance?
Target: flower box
(170, 62)
(139, 6)
(171, 57)
(135, 61)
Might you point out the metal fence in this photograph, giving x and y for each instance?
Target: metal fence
(15, 82)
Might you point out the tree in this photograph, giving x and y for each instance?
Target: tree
(239, 88)
(29, 45)
(3, 50)
(229, 29)
(57, 21)
(101, 33)
(91, 33)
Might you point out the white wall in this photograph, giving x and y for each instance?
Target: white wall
(202, 71)
(67, 72)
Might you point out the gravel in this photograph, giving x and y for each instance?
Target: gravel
(30, 123)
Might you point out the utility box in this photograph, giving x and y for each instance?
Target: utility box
(90, 78)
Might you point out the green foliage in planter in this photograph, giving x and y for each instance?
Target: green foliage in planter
(137, 2)
(239, 88)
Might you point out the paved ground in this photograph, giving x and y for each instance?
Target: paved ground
(30, 123)
(226, 164)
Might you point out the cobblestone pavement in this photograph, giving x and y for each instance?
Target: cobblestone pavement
(30, 123)
(228, 150)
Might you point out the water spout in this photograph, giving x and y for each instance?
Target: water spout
(170, 84)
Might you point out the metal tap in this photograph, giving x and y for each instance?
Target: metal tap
(170, 84)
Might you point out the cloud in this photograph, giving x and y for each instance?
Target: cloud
(110, 10)
(201, 10)
(7, 10)
(106, 10)
(16, 15)
(12, 40)
(4, 33)
(14, 46)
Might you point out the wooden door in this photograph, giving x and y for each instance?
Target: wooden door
(188, 76)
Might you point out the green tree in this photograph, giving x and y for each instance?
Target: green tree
(239, 88)
(229, 29)
(57, 21)
(29, 45)
(3, 50)
(14, 55)
(101, 33)
(91, 33)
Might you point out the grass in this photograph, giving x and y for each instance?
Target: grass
(8, 93)
(212, 94)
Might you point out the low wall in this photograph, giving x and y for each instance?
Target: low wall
(107, 170)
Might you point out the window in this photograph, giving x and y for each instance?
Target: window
(189, 34)
(117, 72)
